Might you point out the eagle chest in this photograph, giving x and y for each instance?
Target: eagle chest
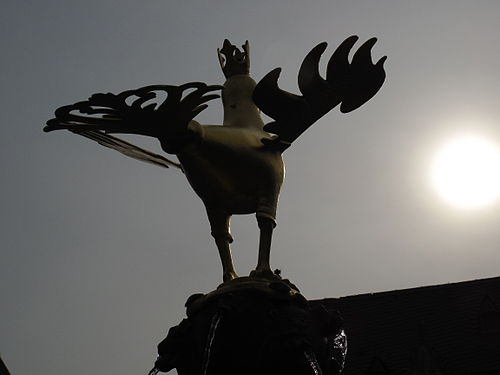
(231, 169)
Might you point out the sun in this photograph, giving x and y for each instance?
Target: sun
(466, 172)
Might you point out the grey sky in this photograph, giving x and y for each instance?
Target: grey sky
(99, 252)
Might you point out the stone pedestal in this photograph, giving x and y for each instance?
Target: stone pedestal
(254, 326)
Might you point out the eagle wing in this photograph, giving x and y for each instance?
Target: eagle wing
(127, 148)
(160, 111)
(350, 84)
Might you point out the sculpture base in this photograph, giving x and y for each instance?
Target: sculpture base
(253, 326)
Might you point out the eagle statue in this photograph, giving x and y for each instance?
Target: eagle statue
(236, 167)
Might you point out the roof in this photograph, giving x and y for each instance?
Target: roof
(441, 329)
(3, 368)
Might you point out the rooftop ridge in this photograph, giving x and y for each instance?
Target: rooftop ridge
(414, 289)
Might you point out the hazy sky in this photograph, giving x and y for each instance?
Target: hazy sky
(99, 252)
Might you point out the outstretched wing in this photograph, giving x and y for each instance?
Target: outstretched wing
(136, 111)
(127, 148)
(350, 84)
(160, 111)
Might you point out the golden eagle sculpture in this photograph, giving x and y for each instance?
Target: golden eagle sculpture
(236, 168)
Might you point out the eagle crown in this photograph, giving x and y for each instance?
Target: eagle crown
(232, 60)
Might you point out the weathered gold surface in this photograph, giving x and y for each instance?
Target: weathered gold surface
(235, 168)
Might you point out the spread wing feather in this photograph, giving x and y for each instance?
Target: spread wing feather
(127, 148)
(350, 84)
(138, 111)
(135, 111)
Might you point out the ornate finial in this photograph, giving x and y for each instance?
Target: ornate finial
(232, 60)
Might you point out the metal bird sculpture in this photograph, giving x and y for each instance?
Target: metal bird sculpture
(236, 168)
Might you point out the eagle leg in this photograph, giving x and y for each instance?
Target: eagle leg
(219, 224)
(266, 226)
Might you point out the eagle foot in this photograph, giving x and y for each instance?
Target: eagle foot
(265, 273)
(228, 276)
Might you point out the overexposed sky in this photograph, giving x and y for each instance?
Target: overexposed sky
(99, 252)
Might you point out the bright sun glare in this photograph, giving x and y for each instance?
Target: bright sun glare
(466, 172)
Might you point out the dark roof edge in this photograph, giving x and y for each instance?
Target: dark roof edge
(415, 289)
(3, 368)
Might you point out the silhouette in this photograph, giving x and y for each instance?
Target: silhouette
(438, 329)
(273, 331)
(236, 168)
(257, 324)
(3, 368)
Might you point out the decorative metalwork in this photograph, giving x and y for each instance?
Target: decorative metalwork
(235, 168)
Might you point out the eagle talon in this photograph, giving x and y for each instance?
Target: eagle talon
(228, 276)
(265, 273)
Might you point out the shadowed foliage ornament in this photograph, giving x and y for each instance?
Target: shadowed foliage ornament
(258, 324)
